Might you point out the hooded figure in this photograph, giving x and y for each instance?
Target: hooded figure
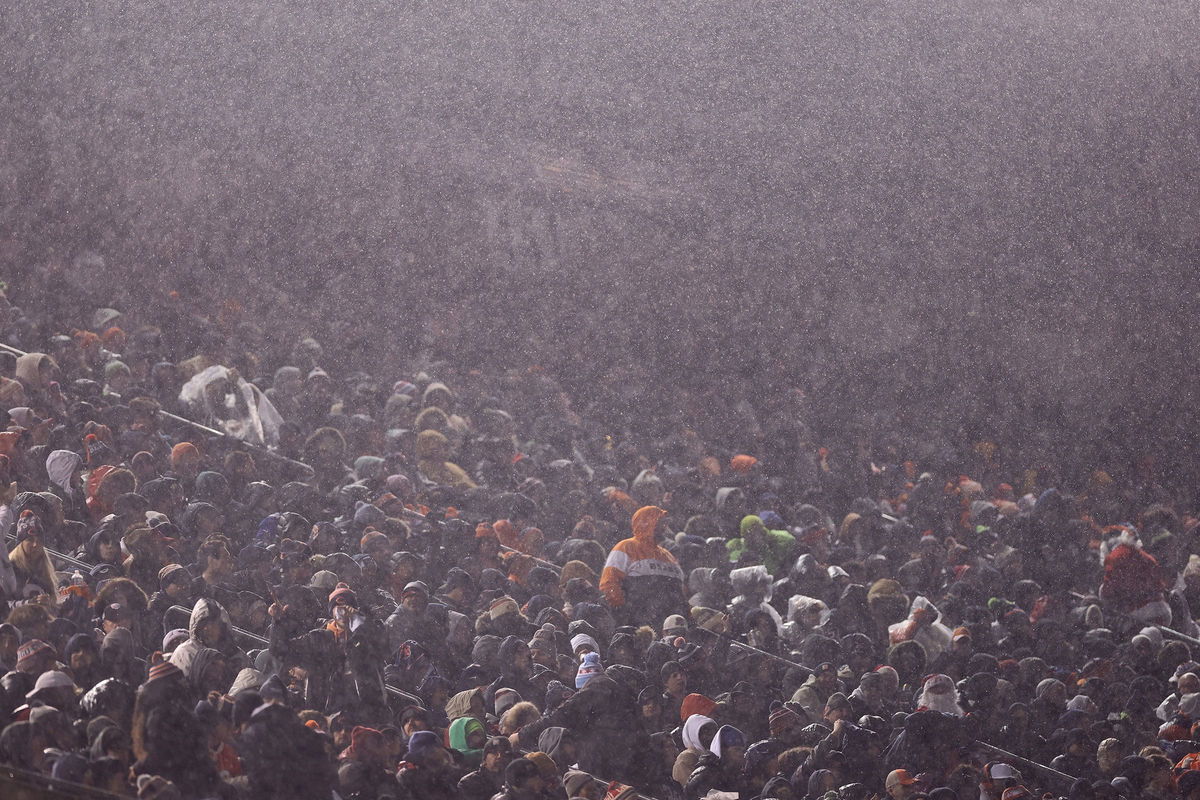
(552, 742)
(468, 736)
(641, 579)
(61, 466)
(208, 627)
(433, 461)
(721, 767)
(709, 588)
(923, 625)
(758, 545)
(941, 695)
(36, 371)
(464, 704)
(695, 744)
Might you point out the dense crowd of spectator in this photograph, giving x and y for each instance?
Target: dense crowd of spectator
(443, 583)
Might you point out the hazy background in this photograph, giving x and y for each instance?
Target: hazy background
(897, 203)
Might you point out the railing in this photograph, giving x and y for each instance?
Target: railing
(19, 784)
(200, 428)
(249, 636)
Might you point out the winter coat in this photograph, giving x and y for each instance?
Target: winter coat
(422, 784)
(480, 784)
(603, 717)
(1132, 578)
(204, 611)
(283, 759)
(642, 574)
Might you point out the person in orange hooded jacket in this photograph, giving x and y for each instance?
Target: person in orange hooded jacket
(642, 580)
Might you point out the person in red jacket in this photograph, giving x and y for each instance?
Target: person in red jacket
(1133, 584)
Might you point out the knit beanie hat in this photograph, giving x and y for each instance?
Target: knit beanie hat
(575, 780)
(343, 595)
(421, 743)
(164, 669)
(781, 718)
(30, 650)
(589, 668)
(696, 704)
(582, 639)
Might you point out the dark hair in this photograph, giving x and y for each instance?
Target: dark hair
(497, 744)
(414, 713)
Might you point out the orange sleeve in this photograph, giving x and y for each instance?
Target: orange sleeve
(612, 575)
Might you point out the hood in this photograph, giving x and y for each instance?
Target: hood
(204, 611)
(432, 389)
(727, 494)
(432, 446)
(248, 678)
(460, 704)
(78, 642)
(368, 468)
(117, 646)
(550, 740)
(460, 729)
(855, 594)
(727, 736)
(751, 580)
(61, 466)
(920, 603)
(287, 381)
(749, 522)
(691, 731)
(801, 604)
(645, 520)
(816, 781)
(29, 368)
(508, 649)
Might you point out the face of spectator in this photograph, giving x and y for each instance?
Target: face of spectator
(109, 551)
(210, 632)
(498, 758)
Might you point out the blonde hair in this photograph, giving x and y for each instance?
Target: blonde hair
(518, 717)
(40, 570)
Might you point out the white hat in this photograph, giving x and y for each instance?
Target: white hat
(580, 639)
(1081, 702)
(1000, 770)
(51, 679)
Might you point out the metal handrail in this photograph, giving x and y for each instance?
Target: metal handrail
(1000, 752)
(175, 418)
(261, 641)
(18, 781)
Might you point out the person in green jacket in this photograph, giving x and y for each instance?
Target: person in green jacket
(758, 545)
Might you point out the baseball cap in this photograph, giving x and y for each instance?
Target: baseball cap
(899, 777)
(1000, 771)
(51, 679)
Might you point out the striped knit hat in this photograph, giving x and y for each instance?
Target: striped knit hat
(589, 668)
(30, 650)
(164, 669)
